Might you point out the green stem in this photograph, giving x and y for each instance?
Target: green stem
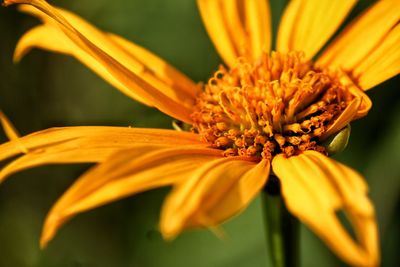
(282, 229)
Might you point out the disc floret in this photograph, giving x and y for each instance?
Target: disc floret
(280, 103)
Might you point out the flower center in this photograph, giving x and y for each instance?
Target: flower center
(279, 104)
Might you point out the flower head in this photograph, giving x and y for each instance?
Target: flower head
(262, 109)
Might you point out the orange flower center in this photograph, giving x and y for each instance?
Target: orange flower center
(280, 103)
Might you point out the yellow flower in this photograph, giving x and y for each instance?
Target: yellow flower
(263, 110)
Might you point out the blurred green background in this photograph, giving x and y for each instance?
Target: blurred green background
(48, 90)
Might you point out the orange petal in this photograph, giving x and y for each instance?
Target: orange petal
(236, 34)
(314, 188)
(86, 144)
(359, 40)
(353, 189)
(125, 173)
(117, 62)
(49, 37)
(11, 132)
(357, 92)
(382, 64)
(307, 25)
(98, 136)
(344, 118)
(215, 191)
(220, 207)
(150, 67)
(158, 67)
(258, 25)
(232, 13)
(212, 14)
(9, 129)
(57, 155)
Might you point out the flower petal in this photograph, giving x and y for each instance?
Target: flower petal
(234, 33)
(98, 136)
(85, 144)
(258, 25)
(117, 62)
(126, 173)
(57, 156)
(11, 132)
(9, 129)
(382, 64)
(357, 92)
(215, 192)
(353, 190)
(49, 37)
(359, 40)
(152, 68)
(212, 13)
(314, 187)
(308, 24)
(218, 208)
(159, 67)
(344, 118)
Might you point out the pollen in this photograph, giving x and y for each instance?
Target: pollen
(281, 103)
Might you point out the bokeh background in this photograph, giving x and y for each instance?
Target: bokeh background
(47, 90)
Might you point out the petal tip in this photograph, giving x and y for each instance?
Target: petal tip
(50, 228)
(11, 2)
(168, 235)
(170, 226)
